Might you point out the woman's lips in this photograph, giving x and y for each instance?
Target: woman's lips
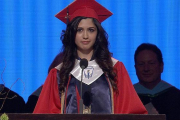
(85, 42)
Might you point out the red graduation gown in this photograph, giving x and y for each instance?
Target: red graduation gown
(126, 102)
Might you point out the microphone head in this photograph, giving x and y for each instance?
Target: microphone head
(83, 63)
(87, 99)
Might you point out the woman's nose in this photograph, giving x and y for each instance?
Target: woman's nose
(85, 34)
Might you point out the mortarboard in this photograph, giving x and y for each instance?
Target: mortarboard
(85, 8)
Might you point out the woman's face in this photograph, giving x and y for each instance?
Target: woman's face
(86, 35)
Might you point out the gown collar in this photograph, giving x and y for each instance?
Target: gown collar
(161, 86)
(90, 74)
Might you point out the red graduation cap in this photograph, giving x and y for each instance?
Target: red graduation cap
(85, 8)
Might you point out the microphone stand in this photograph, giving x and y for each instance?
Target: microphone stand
(81, 100)
(83, 65)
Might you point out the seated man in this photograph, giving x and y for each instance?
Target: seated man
(158, 96)
(33, 98)
(10, 102)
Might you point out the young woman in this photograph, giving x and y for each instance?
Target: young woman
(107, 87)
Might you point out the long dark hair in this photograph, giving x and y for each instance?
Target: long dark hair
(101, 52)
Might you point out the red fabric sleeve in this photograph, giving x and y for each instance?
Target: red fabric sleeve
(49, 99)
(127, 101)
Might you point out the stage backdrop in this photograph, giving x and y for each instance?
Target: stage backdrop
(30, 37)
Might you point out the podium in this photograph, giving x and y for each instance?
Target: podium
(24, 116)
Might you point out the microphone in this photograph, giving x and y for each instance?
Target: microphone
(83, 64)
(87, 98)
